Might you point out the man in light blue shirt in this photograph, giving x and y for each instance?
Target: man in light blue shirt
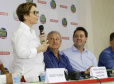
(80, 58)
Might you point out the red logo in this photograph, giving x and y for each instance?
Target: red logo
(4, 53)
(62, 6)
(65, 38)
(73, 23)
(4, 13)
(52, 20)
(42, 2)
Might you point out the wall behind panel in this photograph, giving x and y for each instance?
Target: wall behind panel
(102, 23)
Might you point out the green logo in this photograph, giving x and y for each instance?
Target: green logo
(3, 33)
(64, 22)
(43, 19)
(53, 4)
(73, 9)
(29, 0)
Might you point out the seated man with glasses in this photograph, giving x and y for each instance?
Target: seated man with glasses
(53, 58)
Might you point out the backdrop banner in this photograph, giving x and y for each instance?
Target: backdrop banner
(59, 15)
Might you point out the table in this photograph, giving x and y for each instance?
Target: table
(88, 81)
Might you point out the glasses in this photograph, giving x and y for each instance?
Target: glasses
(35, 12)
(57, 39)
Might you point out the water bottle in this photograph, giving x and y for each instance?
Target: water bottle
(16, 78)
(42, 76)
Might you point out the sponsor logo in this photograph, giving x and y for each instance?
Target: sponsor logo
(53, 4)
(4, 53)
(29, 0)
(73, 9)
(4, 13)
(73, 23)
(42, 2)
(64, 22)
(65, 38)
(3, 33)
(52, 20)
(43, 19)
(15, 16)
(63, 6)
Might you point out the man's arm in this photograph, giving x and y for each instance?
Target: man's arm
(69, 66)
(47, 61)
(94, 63)
(107, 60)
(2, 69)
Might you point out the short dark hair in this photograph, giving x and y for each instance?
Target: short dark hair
(82, 29)
(111, 36)
(24, 9)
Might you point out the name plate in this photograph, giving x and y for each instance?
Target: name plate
(54, 75)
(2, 79)
(98, 72)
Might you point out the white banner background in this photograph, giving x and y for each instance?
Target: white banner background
(8, 21)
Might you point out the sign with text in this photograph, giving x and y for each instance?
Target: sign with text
(54, 75)
(98, 72)
(2, 79)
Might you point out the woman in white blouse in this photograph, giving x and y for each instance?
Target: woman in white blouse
(27, 49)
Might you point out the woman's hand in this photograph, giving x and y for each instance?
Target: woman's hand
(43, 47)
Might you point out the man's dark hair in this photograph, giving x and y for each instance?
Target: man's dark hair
(82, 29)
(111, 36)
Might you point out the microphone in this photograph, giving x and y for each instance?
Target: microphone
(41, 28)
